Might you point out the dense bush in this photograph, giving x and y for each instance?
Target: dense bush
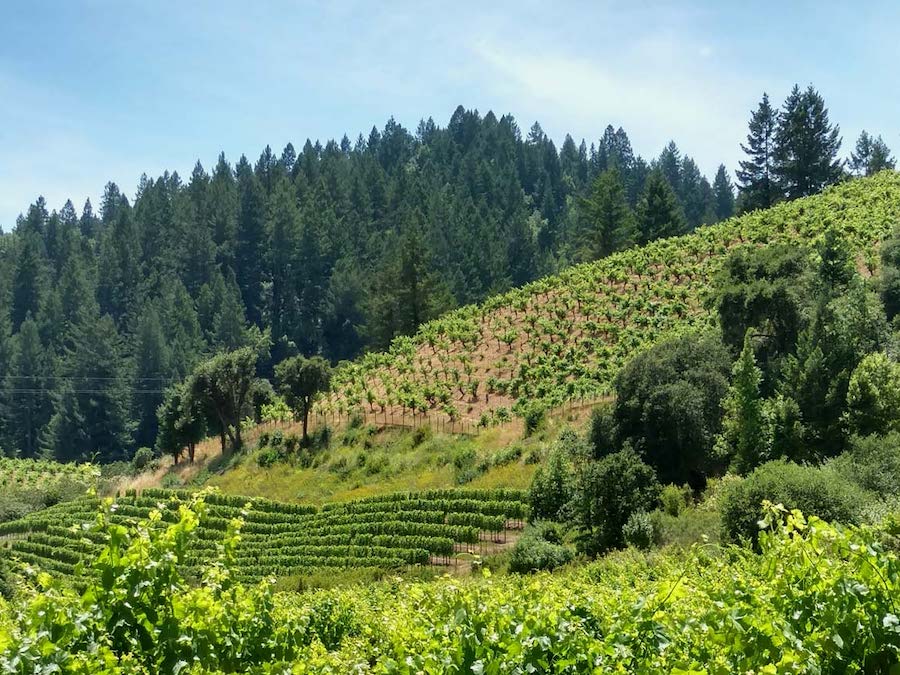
(873, 396)
(533, 415)
(873, 463)
(674, 499)
(539, 548)
(603, 433)
(639, 530)
(813, 490)
(142, 459)
(668, 405)
(607, 492)
(553, 484)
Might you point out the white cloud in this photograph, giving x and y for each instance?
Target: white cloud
(656, 88)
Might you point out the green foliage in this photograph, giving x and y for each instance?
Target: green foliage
(639, 531)
(538, 549)
(762, 291)
(603, 432)
(142, 459)
(658, 212)
(674, 499)
(873, 463)
(552, 487)
(873, 397)
(607, 492)
(813, 490)
(668, 405)
(301, 380)
(756, 175)
(222, 386)
(746, 436)
(833, 589)
(609, 222)
(534, 416)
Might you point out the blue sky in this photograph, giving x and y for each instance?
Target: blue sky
(99, 91)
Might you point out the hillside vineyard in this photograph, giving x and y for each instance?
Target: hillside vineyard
(564, 338)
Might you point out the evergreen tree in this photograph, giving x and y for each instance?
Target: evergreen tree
(119, 267)
(609, 222)
(27, 386)
(151, 374)
(870, 156)
(744, 435)
(222, 202)
(29, 278)
(723, 194)
(658, 212)
(91, 419)
(756, 177)
(250, 250)
(806, 145)
(284, 237)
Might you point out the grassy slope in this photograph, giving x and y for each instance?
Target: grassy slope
(367, 462)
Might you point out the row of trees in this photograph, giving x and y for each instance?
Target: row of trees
(793, 152)
(224, 391)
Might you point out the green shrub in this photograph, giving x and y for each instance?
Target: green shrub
(533, 415)
(171, 481)
(552, 487)
(817, 491)
(674, 499)
(6, 578)
(268, 457)
(141, 460)
(420, 435)
(691, 526)
(465, 465)
(603, 432)
(607, 492)
(873, 463)
(639, 531)
(320, 439)
(539, 549)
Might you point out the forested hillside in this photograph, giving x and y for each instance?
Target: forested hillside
(331, 250)
(343, 248)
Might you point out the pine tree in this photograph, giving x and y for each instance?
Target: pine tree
(870, 156)
(695, 194)
(29, 279)
(250, 250)
(284, 237)
(119, 267)
(151, 372)
(745, 437)
(609, 223)
(229, 325)
(723, 194)
(26, 389)
(670, 163)
(658, 211)
(91, 413)
(88, 222)
(223, 211)
(806, 145)
(756, 176)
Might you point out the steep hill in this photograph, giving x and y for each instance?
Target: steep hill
(564, 338)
